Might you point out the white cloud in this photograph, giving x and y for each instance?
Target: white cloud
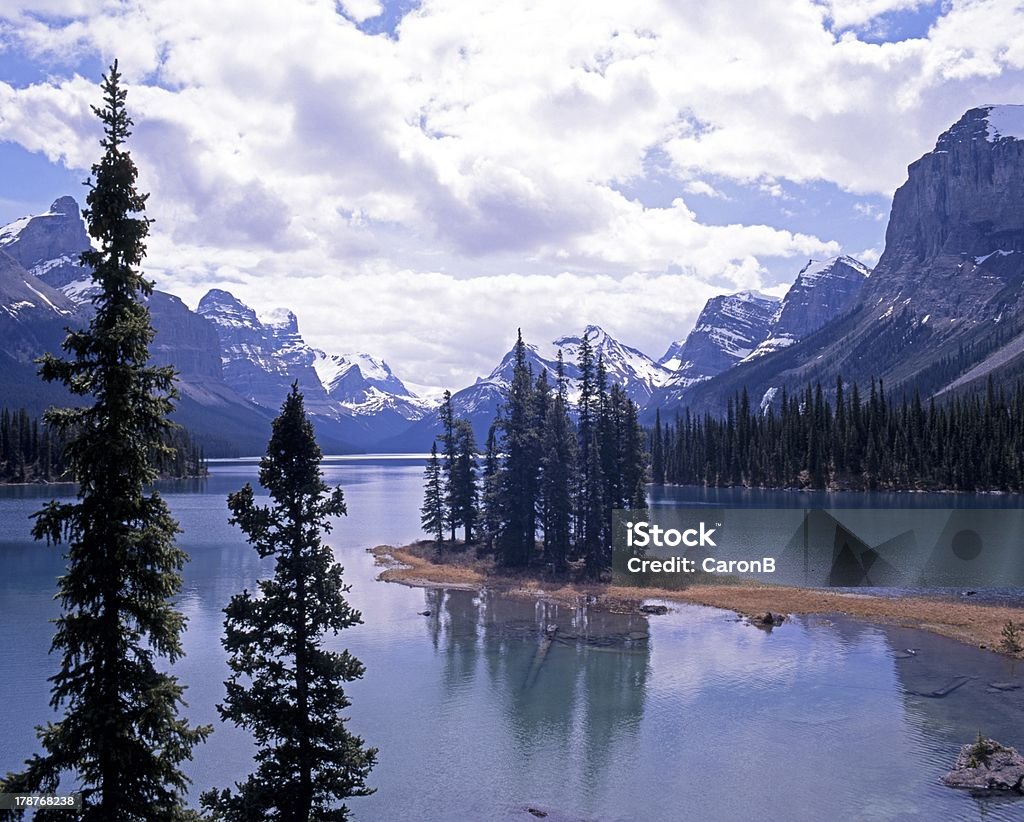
(869, 210)
(703, 188)
(488, 138)
(869, 256)
(362, 10)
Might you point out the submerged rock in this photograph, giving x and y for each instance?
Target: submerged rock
(986, 765)
(946, 690)
(657, 610)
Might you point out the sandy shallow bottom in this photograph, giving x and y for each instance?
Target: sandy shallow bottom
(975, 624)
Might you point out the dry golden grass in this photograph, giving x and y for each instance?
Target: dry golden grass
(419, 565)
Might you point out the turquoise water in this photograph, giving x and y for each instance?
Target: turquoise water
(691, 715)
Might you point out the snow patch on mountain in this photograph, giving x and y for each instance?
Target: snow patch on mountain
(366, 385)
(822, 291)
(1005, 122)
(817, 270)
(49, 245)
(728, 329)
(10, 232)
(998, 252)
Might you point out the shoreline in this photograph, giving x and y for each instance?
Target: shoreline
(971, 624)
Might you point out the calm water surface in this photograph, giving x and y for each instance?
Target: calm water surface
(692, 715)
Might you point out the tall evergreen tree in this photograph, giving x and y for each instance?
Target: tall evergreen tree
(432, 514)
(447, 414)
(592, 425)
(284, 686)
(558, 464)
(657, 451)
(120, 739)
(517, 535)
(491, 492)
(464, 493)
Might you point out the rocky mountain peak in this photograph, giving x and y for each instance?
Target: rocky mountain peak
(956, 228)
(728, 329)
(366, 385)
(66, 206)
(823, 290)
(225, 309)
(282, 320)
(49, 245)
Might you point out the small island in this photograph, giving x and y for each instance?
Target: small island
(420, 564)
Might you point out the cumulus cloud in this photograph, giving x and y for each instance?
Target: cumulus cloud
(362, 10)
(869, 256)
(480, 153)
(703, 188)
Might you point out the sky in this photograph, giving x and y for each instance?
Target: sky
(417, 180)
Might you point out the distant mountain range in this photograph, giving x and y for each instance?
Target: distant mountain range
(941, 312)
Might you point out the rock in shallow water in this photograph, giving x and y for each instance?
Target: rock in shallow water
(987, 765)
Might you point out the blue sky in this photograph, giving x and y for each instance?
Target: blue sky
(378, 166)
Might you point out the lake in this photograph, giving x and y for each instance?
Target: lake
(691, 715)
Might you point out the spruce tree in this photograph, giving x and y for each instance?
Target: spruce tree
(447, 414)
(592, 423)
(491, 492)
(120, 739)
(432, 514)
(558, 465)
(464, 493)
(517, 533)
(284, 686)
(657, 451)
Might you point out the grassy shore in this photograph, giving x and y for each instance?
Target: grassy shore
(419, 565)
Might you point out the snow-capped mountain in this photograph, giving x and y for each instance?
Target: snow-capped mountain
(637, 373)
(32, 314)
(260, 359)
(263, 356)
(367, 386)
(48, 245)
(943, 309)
(728, 329)
(822, 291)
(628, 367)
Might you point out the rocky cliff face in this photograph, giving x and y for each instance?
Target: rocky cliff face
(32, 314)
(48, 245)
(821, 292)
(260, 360)
(183, 339)
(944, 307)
(956, 232)
(728, 329)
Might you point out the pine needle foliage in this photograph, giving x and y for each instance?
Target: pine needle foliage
(120, 739)
(285, 686)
